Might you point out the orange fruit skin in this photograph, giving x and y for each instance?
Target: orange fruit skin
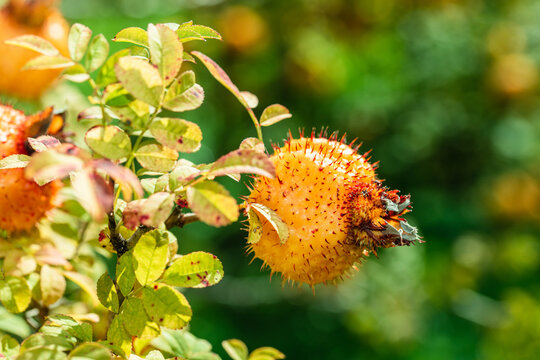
(331, 201)
(22, 202)
(28, 84)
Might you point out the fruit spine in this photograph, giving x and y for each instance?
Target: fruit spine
(334, 208)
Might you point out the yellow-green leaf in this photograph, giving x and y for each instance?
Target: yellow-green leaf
(140, 78)
(78, 39)
(110, 142)
(181, 135)
(15, 294)
(212, 203)
(156, 157)
(150, 257)
(165, 51)
(52, 284)
(166, 306)
(198, 269)
(106, 292)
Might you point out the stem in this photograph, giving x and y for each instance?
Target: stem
(256, 123)
(118, 242)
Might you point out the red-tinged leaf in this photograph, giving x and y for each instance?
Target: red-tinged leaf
(181, 135)
(78, 40)
(34, 43)
(124, 177)
(150, 212)
(165, 51)
(251, 99)
(93, 193)
(43, 143)
(244, 161)
(48, 254)
(198, 269)
(140, 79)
(252, 144)
(273, 114)
(46, 166)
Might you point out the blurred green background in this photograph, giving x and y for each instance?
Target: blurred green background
(446, 94)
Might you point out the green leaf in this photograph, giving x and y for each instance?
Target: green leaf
(14, 161)
(136, 321)
(110, 142)
(116, 95)
(90, 351)
(118, 338)
(40, 340)
(140, 78)
(151, 212)
(273, 114)
(166, 306)
(255, 227)
(165, 51)
(52, 285)
(76, 73)
(181, 175)
(106, 292)
(183, 344)
(125, 274)
(156, 157)
(252, 144)
(266, 353)
(80, 330)
(150, 257)
(97, 52)
(273, 218)
(244, 161)
(34, 43)
(178, 134)
(46, 166)
(9, 347)
(212, 203)
(220, 75)
(42, 354)
(184, 94)
(48, 62)
(106, 74)
(85, 283)
(13, 324)
(206, 32)
(198, 269)
(186, 34)
(15, 294)
(78, 39)
(236, 349)
(132, 35)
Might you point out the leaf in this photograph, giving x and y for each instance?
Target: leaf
(236, 349)
(181, 175)
(106, 292)
(13, 324)
(106, 74)
(15, 294)
(184, 94)
(85, 283)
(220, 75)
(150, 212)
(140, 78)
(150, 257)
(274, 219)
(35, 43)
(41, 340)
(46, 166)
(122, 176)
(178, 134)
(80, 330)
(115, 95)
(110, 142)
(251, 99)
(198, 269)
(76, 73)
(42, 354)
(14, 161)
(118, 338)
(90, 351)
(94, 193)
(206, 32)
(252, 143)
(165, 51)
(255, 227)
(183, 344)
(273, 114)
(136, 321)
(97, 53)
(156, 157)
(186, 34)
(9, 347)
(78, 39)
(125, 274)
(266, 353)
(43, 143)
(44, 62)
(166, 306)
(244, 161)
(212, 203)
(132, 35)
(52, 285)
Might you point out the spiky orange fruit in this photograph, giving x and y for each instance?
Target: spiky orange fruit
(335, 208)
(36, 17)
(22, 202)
